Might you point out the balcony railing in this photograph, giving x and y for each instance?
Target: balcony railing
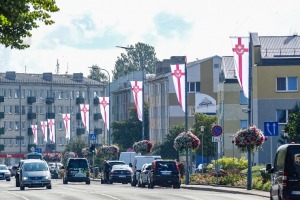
(31, 116)
(31, 100)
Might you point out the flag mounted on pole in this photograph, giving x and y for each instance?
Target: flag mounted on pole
(51, 125)
(34, 130)
(179, 76)
(67, 120)
(84, 110)
(241, 57)
(44, 126)
(104, 109)
(137, 91)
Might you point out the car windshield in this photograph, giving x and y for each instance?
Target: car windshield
(120, 167)
(166, 165)
(78, 164)
(3, 167)
(35, 167)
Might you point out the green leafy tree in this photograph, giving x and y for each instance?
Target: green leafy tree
(128, 131)
(137, 57)
(19, 17)
(293, 125)
(166, 148)
(208, 122)
(97, 75)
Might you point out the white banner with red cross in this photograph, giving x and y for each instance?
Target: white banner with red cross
(179, 76)
(44, 127)
(85, 115)
(104, 109)
(34, 131)
(67, 122)
(137, 91)
(51, 125)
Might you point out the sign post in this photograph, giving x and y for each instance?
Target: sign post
(217, 132)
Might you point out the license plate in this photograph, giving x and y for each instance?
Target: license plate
(1, 176)
(36, 181)
(122, 176)
(165, 173)
(296, 192)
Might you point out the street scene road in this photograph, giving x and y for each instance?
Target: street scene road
(80, 191)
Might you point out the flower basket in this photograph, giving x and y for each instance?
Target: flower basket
(186, 140)
(251, 137)
(110, 150)
(143, 147)
(85, 151)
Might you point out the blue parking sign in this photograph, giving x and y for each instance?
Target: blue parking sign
(271, 128)
(93, 136)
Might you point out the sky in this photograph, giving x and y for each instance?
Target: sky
(86, 32)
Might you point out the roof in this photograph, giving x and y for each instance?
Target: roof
(228, 67)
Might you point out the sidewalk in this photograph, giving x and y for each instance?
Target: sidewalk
(227, 189)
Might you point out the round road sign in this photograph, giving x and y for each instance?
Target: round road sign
(217, 130)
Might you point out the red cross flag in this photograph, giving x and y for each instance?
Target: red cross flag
(84, 110)
(51, 125)
(137, 91)
(241, 57)
(34, 130)
(67, 120)
(104, 109)
(178, 74)
(44, 125)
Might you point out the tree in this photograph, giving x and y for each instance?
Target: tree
(97, 75)
(293, 125)
(166, 148)
(128, 131)
(138, 57)
(19, 17)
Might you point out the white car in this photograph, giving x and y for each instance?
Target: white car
(4, 173)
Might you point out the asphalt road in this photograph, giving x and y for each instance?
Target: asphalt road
(96, 191)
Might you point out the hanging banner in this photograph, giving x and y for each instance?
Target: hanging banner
(84, 110)
(44, 125)
(104, 109)
(34, 130)
(51, 125)
(178, 74)
(67, 122)
(137, 91)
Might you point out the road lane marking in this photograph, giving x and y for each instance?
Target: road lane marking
(17, 195)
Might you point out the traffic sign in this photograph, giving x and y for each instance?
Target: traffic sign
(216, 139)
(93, 136)
(217, 130)
(38, 150)
(271, 128)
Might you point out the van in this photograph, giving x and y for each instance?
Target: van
(76, 170)
(128, 157)
(285, 178)
(138, 162)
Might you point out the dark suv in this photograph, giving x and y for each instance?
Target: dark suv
(76, 170)
(164, 173)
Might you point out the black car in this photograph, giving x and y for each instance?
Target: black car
(164, 173)
(76, 170)
(107, 168)
(143, 175)
(120, 174)
(54, 169)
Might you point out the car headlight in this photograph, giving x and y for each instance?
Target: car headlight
(25, 178)
(47, 177)
(7, 173)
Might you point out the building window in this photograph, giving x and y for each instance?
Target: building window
(61, 125)
(10, 126)
(194, 87)
(282, 116)
(16, 93)
(243, 99)
(287, 84)
(243, 124)
(23, 110)
(60, 95)
(216, 66)
(17, 125)
(22, 94)
(17, 110)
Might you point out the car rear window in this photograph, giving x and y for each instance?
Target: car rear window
(165, 166)
(78, 164)
(293, 162)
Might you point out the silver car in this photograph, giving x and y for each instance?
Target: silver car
(4, 173)
(35, 173)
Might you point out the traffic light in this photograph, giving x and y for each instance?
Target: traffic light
(92, 148)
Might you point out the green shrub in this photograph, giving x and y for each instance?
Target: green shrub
(231, 163)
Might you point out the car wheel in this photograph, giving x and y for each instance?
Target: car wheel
(150, 185)
(176, 186)
(133, 184)
(88, 182)
(22, 187)
(49, 187)
(65, 181)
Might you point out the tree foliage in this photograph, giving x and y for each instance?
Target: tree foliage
(293, 125)
(128, 131)
(97, 75)
(138, 57)
(19, 17)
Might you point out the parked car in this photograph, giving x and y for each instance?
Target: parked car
(164, 173)
(76, 170)
(286, 173)
(4, 173)
(120, 174)
(107, 168)
(34, 173)
(143, 175)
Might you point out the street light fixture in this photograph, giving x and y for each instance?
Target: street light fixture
(202, 133)
(143, 80)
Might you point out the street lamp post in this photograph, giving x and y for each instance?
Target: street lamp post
(202, 133)
(143, 80)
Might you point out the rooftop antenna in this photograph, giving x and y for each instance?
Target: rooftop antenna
(57, 67)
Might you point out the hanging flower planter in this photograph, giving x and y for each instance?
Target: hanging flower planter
(85, 151)
(143, 147)
(186, 140)
(110, 150)
(251, 137)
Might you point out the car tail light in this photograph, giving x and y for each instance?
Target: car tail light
(177, 167)
(154, 166)
(284, 179)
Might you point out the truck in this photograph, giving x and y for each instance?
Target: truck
(138, 162)
(128, 157)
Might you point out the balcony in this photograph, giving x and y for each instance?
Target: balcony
(1, 147)
(80, 131)
(97, 116)
(96, 101)
(79, 100)
(1, 99)
(2, 131)
(50, 115)
(31, 116)
(49, 100)
(31, 100)
(29, 132)
(78, 116)
(98, 130)
(31, 147)
(1, 115)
